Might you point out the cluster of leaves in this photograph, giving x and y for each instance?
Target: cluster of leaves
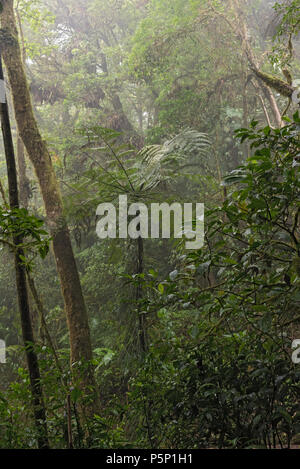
(287, 15)
(290, 18)
(253, 238)
(18, 223)
(116, 168)
(17, 429)
(230, 390)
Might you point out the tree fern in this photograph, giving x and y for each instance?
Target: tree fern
(188, 149)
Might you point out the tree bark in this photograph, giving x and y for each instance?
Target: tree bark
(24, 183)
(77, 319)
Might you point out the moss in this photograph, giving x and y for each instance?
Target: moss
(276, 83)
(6, 38)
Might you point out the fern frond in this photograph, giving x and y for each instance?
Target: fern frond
(188, 148)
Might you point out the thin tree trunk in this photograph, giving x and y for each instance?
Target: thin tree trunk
(139, 296)
(273, 104)
(27, 332)
(77, 319)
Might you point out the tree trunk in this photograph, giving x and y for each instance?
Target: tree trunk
(22, 292)
(24, 183)
(77, 319)
(139, 296)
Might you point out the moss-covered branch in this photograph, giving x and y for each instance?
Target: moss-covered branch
(282, 87)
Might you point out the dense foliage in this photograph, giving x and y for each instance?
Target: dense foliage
(162, 101)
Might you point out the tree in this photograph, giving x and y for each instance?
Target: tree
(80, 342)
(20, 269)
